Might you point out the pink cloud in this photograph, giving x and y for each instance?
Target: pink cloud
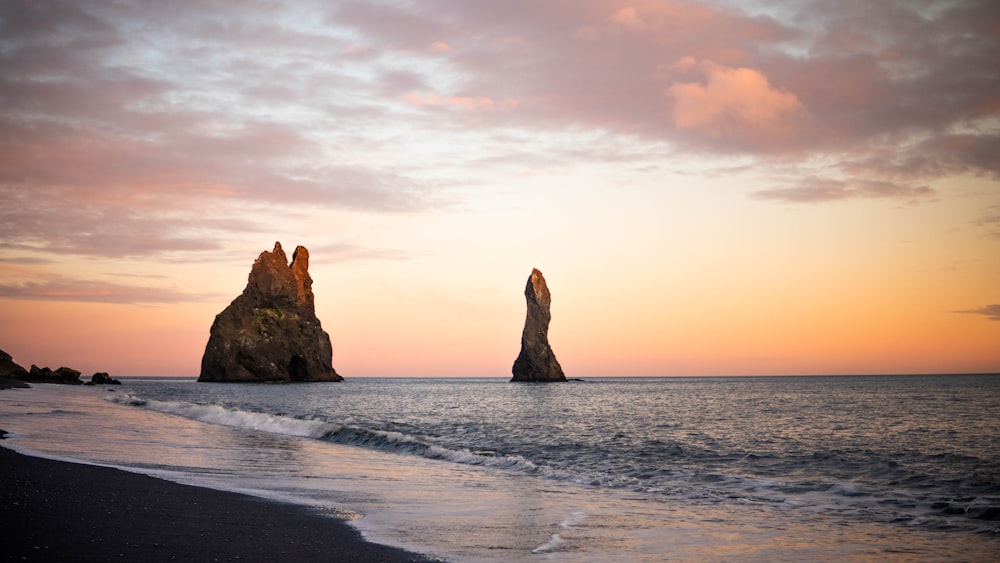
(736, 104)
(224, 103)
(627, 17)
(88, 291)
(440, 47)
(874, 90)
(465, 103)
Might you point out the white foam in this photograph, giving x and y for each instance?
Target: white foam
(844, 489)
(554, 542)
(216, 414)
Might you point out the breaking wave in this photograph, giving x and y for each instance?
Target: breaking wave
(217, 414)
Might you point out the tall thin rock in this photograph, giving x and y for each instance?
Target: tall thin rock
(537, 362)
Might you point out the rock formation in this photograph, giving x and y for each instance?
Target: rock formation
(9, 369)
(65, 375)
(12, 371)
(536, 362)
(270, 332)
(102, 378)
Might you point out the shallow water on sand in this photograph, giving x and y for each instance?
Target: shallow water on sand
(452, 502)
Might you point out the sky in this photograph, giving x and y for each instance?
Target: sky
(710, 188)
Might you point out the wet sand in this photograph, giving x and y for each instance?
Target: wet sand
(58, 511)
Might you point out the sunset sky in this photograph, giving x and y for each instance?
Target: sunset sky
(710, 188)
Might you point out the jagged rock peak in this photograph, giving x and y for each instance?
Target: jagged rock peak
(537, 362)
(270, 332)
(272, 277)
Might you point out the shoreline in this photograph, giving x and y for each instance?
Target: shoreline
(10, 383)
(57, 510)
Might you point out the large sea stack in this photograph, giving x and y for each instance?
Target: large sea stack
(536, 362)
(270, 332)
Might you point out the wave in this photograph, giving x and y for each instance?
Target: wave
(217, 414)
(897, 504)
(401, 443)
(384, 440)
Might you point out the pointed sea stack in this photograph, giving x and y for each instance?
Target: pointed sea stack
(270, 332)
(536, 362)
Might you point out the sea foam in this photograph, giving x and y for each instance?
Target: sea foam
(554, 542)
(217, 414)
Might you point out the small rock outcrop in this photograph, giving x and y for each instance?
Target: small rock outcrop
(102, 378)
(537, 362)
(9, 369)
(12, 371)
(270, 332)
(65, 375)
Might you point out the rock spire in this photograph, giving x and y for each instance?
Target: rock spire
(537, 362)
(270, 332)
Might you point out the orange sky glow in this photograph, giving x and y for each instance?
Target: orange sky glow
(710, 188)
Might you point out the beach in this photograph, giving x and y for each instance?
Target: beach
(58, 511)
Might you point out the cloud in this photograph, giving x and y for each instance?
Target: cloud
(991, 312)
(465, 103)
(349, 252)
(88, 291)
(627, 17)
(217, 90)
(895, 94)
(818, 190)
(440, 47)
(24, 260)
(733, 104)
(116, 119)
(109, 138)
(990, 222)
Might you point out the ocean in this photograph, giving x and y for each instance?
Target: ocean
(881, 468)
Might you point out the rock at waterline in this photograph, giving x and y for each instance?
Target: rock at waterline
(10, 369)
(270, 332)
(68, 376)
(537, 362)
(102, 378)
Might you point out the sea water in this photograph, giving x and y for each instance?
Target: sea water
(610, 469)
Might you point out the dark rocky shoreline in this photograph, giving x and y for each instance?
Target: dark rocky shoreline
(11, 371)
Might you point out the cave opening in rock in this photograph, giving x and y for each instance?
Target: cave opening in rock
(297, 369)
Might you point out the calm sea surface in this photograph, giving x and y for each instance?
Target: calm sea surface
(758, 468)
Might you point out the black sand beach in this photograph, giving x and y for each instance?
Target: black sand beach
(57, 511)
